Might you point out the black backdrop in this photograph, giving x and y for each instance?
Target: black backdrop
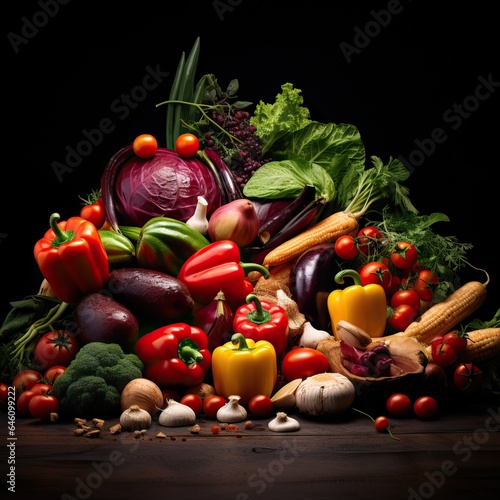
(420, 82)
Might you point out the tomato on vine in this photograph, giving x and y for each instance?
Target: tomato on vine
(93, 210)
(408, 297)
(368, 238)
(425, 284)
(346, 247)
(376, 272)
(468, 377)
(404, 255)
(401, 317)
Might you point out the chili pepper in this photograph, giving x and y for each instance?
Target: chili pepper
(218, 267)
(174, 355)
(244, 368)
(262, 320)
(363, 306)
(72, 258)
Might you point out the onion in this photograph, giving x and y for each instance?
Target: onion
(236, 221)
(142, 392)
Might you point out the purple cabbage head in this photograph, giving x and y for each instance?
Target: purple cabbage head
(165, 185)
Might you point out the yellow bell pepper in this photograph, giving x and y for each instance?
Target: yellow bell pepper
(244, 368)
(363, 306)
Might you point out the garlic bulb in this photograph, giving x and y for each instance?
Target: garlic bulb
(135, 419)
(176, 414)
(232, 411)
(283, 423)
(325, 394)
(311, 336)
(199, 219)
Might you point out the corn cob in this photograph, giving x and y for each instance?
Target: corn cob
(482, 345)
(325, 231)
(443, 316)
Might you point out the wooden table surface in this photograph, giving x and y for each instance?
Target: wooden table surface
(456, 455)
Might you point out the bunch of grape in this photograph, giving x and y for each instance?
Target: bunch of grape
(240, 147)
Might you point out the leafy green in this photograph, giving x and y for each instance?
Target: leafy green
(286, 115)
(287, 179)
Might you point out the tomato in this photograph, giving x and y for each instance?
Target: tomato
(376, 272)
(23, 403)
(260, 406)
(4, 393)
(404, 255)
(94, 212)
(398, 405)
(193, 401)
(42, 405)
(346, 248)
(442, 353)
(53, 372)
(402, 317)
(303, 362)
(368, 238)
(425, 407)
(25, 380)
(212, 404)
(425, 284)
(41, 388)
(468, 377)
(145, 146)
(58, 347)
(187, 145)
(457, 340)
(408, 297)
(381, 423)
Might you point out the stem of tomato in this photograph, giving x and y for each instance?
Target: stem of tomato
(373, 420)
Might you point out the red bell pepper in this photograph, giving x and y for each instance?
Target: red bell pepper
(218, 267)
(175, 355)
(262, 320)
(72, 258)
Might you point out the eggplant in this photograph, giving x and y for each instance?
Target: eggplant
(312, 280)
(274, 224)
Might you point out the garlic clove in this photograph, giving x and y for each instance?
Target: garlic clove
(284, 399)
(176, 415)
(283, 423)
(199, 219)
(311, 336)
(232, 411)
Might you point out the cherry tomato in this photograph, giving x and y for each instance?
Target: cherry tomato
(25, 380)
(53, 372)
(402, 317)
(145, 146)
(425, 407)
(4, 393)
(376, 272)
(193, 401)
(346, 248)
(425, 284)
(381, 423)
(303, 362)
(468, 377)
(58, 347)
(398, 405)
(42, 405)
(41, 388)
(457, 340)
(187, 145)
(442, 353)
(260, 406)
(368, 238)
(94, 212)
(23, 403)
(212, 404)
(404, 255)
(409, 297)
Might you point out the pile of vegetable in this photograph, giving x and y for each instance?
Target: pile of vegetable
(227, 259)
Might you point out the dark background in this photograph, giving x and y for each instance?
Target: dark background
(411, 63)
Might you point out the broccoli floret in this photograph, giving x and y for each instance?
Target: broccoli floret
(92, 384)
